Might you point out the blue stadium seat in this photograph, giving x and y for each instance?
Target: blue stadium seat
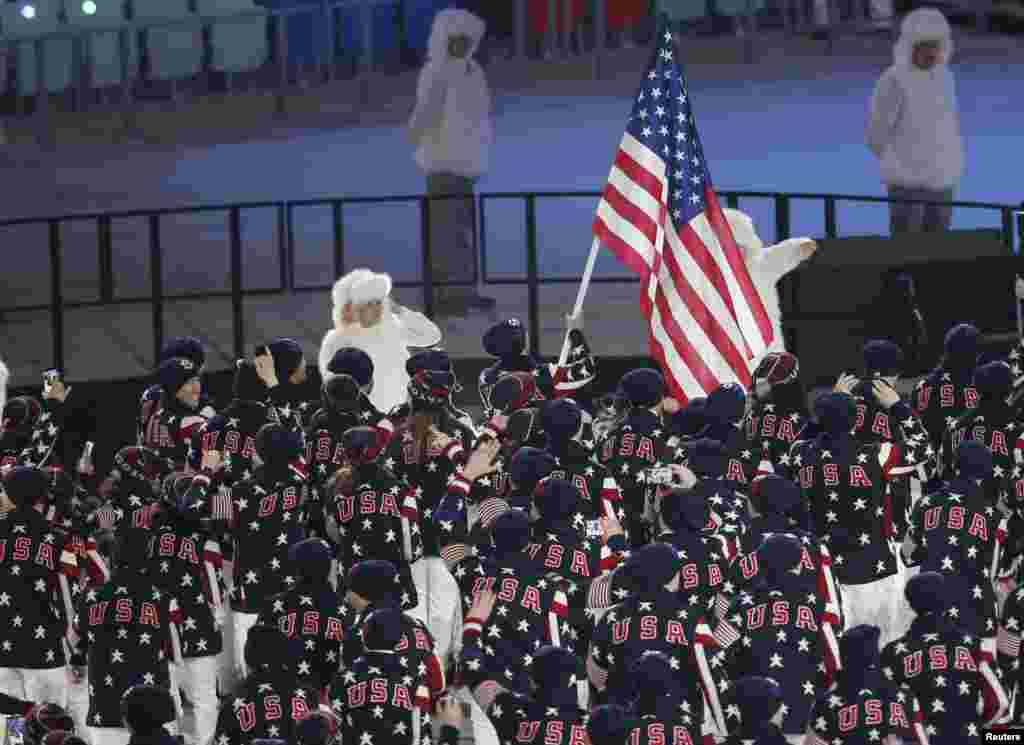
(58, 54)
(174, 51)
(240, 44)
(103, 49)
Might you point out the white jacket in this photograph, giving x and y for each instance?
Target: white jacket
(913, 124)
(5, 375)
(451, 125)
(767, 265)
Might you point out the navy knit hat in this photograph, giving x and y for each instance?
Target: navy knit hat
(429, 359)
(643, 387)
(354, 362)
(361, 444)
(926, 593)
(859, 648)
(26, 485)
(382, 629)
(431, 389)
(882, 357)
(553, 667)
(726, 404)
(960, 347)
(837, 412)
(530, 465)
(21, 413)
(653, 566)
(562, 420)
(276, 444)
(653, 678)
(133, 548)
(267, 647)
(774, 495)
(777, 556)
(994, 380)
(141, 463)
(707, 458)
(287, 355)
(311, 558)
(689, 420)
(147, 708)
(175, 372)
(374, 579)
(510, 532)
(505, 340)
(188, 347)
(513, 391)
(318, 727)
(557, 501)
(247, 385)
(608, 725)
(758, 699)
(974, 460)
(523, 426)
(684, 510)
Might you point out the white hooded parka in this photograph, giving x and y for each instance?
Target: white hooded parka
(913, 124)
(451, 125)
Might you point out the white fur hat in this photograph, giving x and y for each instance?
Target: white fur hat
(360, 286)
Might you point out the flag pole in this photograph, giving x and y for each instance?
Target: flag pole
(580, 295)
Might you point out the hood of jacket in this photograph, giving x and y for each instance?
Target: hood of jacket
(454, 22)
(924, 24)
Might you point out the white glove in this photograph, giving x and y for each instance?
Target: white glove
(1018, 288)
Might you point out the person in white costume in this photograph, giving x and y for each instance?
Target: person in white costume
(452, 130)
(365, 317)
(5, 375)
(767, 265)
(913, 125)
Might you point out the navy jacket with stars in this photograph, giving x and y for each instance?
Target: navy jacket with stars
(267, 519)
(784, 634)
(865, 710)
(264, 706)
(415, 652)
(844, 483)
(381, 702)
(173, 431)
(127, 629)
(232, 432)
(1009, 650)
(771, 429)
(655, 621)
(639, 443)
(939, 398)
(318, 618)
(38, 569)
(379, 519)
(675, 727)
(958, 533)
(530, 612)
(59, 434)
(997, 428)
(948, 670)
(598, 489)
(133, 503)
(186, 562)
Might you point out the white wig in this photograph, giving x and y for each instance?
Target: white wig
(357, 287)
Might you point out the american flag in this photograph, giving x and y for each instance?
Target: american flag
(660, 216)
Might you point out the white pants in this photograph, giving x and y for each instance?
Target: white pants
(109, 735)
(483, 729)
(876, 603)
(78, 707)
(440, 605)
(49, 686)
(242, 622)
(227, 674)
(197, 677)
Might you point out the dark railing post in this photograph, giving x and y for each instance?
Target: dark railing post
(106, 258)
(156, 278)
(520, 29)
(235, 232)
(483, 239)
(428, 269)
(532, 289)
(281, 107)
(1008, 233)
(781, 217)
(1020, 228)
(600, 35)
(56, 295)
(337, 220)
(831, 231)
(283, 216)
(732, 201)
(289, 266)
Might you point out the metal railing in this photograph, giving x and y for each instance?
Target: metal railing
(152, 249)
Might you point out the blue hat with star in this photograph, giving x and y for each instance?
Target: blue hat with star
(974, 460)
(882, 357)
(926, 593)
(175, 372)
(653, 678)
(726, 404)
(505, 340)
(188, 347)
(608, 725)
(643, 387)
(837, 412)
(311, 558)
